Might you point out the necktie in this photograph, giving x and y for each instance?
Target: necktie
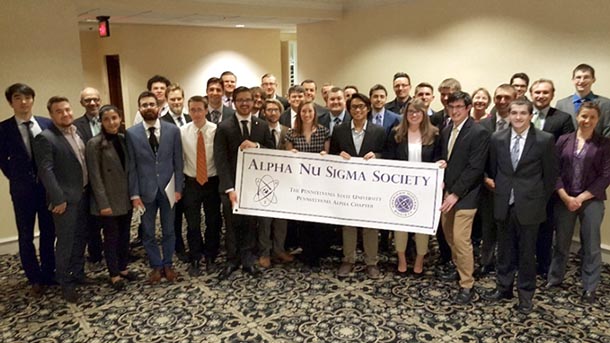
(202, 168)
(337, 121)
(245, 131)
(152, 140)
(180, 121)
(577, 104)
(274, 138)
(454, 134)
(378, 119)
(215, 116)
(28, 125)
(501, 125)
(96, 126)
(538, 121)
(514, 151)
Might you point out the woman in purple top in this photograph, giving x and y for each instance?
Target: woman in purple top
(581, 187)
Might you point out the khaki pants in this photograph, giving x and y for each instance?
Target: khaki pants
(370, 240)
(457, 227)
(421, 242)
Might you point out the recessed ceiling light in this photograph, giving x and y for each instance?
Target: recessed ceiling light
(240, 25)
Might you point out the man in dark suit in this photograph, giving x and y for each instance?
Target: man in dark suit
(155, 161)
(337, 113)
(62, 168)
(177, 115)
(310, 95)
(380, 115)
(441, 118)
(27, 192)
(425, 91)
(464, 147)
(229, 82)
(238, 133)
(359, 138)
(269, 84)
(89, 125)
(217, 112)
(523, 165)
(401, 82)
(296, 96)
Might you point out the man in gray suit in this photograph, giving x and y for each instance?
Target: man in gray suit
(583, 78)
(155, 160)
(60, 155)
(217, 111)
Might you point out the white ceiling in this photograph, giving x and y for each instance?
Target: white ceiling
(268, 14)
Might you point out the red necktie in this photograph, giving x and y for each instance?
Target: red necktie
(202, 169)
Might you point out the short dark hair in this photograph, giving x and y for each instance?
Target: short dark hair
(423, 85)
(378, 87)
(401, 74)
(227, 73)
(352, 87)
(213, 80)
(108, 108)
(296, 89)
(459, 95)
(56, 99)
(522, 76)
(584, 68)
(241, 89)
(522, 102)
(310, 81)
(146, 94)
(157, 78)
(362, 97)
(336, 89)
(198, 98)
(18, 88)
(592, 105)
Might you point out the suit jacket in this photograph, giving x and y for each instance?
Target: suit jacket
(558, 123)
(342, 140)
(320, 110)
(15, 161)
(489, 123)
(107, 176)
(148, 172)
(58, 167)
(390, 120)
(440, 119)
(395, 107)
(282, 142)
(226, 145)
(603, 126)
(168, 118)
(596, 167)
(400, 151)
(286, 118)
(325, 119)
(227, 113)
(82, 124)
(465, 168)
(532, 182)
(283, 100)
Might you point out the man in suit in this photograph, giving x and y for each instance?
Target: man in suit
(177, 115)
(583, 78)
(89, 125)
(238, 133)
(425, 91)
(269, 84)
(217, 111)
(401, 83)
(155, 160)
(310, 95)
(62, 168)
(158, 86)
(27, 192)
(359, 138)
(447, 87)
(326, 87)
(464, 146)
(379, 114)
(296, 96)
(523, 165)
(229, 81)
(337, 113)
(520, 81)
(200, 186)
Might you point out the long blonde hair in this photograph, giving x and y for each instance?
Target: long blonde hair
(427, 130)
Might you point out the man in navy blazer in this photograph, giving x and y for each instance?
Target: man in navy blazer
(337, 114)
(217, 112)
(379, 114)
(155, 158)
(27, 192)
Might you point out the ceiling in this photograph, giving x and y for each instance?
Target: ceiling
(283, 15)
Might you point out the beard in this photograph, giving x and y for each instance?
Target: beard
(150, 114)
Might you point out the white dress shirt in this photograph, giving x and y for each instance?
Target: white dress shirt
(189, 134)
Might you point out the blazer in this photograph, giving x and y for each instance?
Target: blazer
(464, 172)
(395, 107)
(227, 112)
(489, 123)
(15, 162)
(342, 140)
(58, 167)
(168, 118)
(400, 151)
(325, 119)
(148, 172)
(596, 169)
(558, 123)
(226, 145)
(532, 182)
(603, 126)
(320, 110)
(390, 120)
(283, 100)
(439, 119)
(282, 142)
(286, 118)
(107, 176)
(82, 124)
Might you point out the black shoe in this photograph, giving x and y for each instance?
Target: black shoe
(464, 296)
(417, 275)
(524, 308)
(69, 294)
(497, 295)
(251, 270)
(194, 269)
(118, 285)
(136, 243)
(484, 270)
(588, 297)
(547, 285)
(85, 281)
(227, 271)
(451, 275)
(182, 256)
(130, 276)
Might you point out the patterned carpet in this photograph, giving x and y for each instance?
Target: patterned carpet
(292, 303)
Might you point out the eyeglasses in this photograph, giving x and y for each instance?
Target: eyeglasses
(273, 110)
(243, 101)
(88, 100)
(358, 107)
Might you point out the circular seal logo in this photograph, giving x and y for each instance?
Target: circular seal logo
(404, 204)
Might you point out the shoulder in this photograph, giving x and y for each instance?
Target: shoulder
(543, 136)
(81, 120)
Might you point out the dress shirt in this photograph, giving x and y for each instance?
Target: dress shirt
(358, 137)
(157, 126)
(240, 118)
(577, 100)
(176, 120)
(456, 133)
(78, 147)
(341, 116)
(275, 132)
(499, 120)
(293, 117)
(540, 115)
(430, 111)
(162, 111)
(94, 124)
(513, 134)
(189, 134)
(228, 102)
(380, 114)
(415, 152)
(23, 130)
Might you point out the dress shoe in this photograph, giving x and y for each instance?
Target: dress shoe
(170, 274)
(284, 257)
(129, 276)
(588, 297)
(155, 276)
(182, 256)
(36, 291)
(373, 272)
(69, 294)
(497, 295)
(549, 285)
(86, 281)
(464, 296)
(484, 270)
(450, 275)
(227, 271)
(264, 261)
(194, 269)
(524, 308)
(251, 270)
(118, 285)
(136, 243)
(345, 269)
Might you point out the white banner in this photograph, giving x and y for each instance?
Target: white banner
(378, 193)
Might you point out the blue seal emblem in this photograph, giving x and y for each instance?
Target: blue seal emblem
(404, 204)
(265, 192)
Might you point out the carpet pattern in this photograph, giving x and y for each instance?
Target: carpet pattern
(293, 303)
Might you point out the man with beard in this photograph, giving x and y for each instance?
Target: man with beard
(155, 161)
(158, 86)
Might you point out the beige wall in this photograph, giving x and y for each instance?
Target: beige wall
(187, 55)
(42, 51)
(481, 43)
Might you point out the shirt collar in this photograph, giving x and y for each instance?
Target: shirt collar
(340, 116)
(156, 125)
(240, 117)
(589, 97)
(363, 126)
(513, 134)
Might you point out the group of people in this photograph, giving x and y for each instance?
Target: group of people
(514, 177)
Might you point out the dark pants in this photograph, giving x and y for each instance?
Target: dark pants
(488, 228)
(71, 231)
(196, 195)
(179, 211)
(240, 235)
(116, 242)
(94, 238)
(517, 253)
(544, 245)
(26, 208)
(315, 240)
(443, 246)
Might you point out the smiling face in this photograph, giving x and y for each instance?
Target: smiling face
(542, 93)
(587, 119)
(229, 82)
(458, 111)
(307, 114)
(61, 114)
(502, 99)
(295, 99)
(111, 122)
(520, 118)
(310, 91)
(426, 94)
(244, 103)
(269, 84)
(175, 101)
(214, 93)
(414, 117)
(90, 100)
(583, 80)
(336, 102)
(480, 101)
(520, 86)
(378, 99)
(402, 87)
(272, 113)
(358, 109)
(158, 89)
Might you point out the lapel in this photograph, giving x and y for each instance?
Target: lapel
(548, 121)
(530, 140)
(141, 131)
(107, 150)
(461, 134)
(16, 134)
(63, 141)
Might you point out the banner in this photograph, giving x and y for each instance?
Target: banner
(378, 193)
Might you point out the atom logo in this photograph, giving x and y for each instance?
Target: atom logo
(265, 192)
(404, 204)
